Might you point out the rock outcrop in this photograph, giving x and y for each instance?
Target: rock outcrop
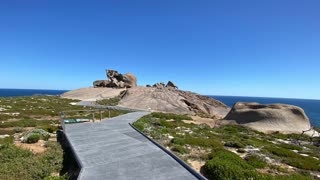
(117, 80)
(170, 84)
(161, 85)
(270, 118)
(174, 101)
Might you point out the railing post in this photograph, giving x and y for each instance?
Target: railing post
(93, 116)
(62, 121)
(109, 112)
(100, 115)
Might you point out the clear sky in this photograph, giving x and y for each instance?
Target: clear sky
(265, 48)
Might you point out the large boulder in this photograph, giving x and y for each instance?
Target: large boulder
(117, 80)
(270, 118)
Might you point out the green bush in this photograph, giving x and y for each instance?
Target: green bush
(294, 159)
(256, 161)
(179, 149)
(227, 165)
(109, 102)
(16, 163)
(291, 146)
(34, 135)
(33, 138)
(196, 141)
(6, 140)
(235, 144)
(18, 129)
(281, 152)
(168, 116)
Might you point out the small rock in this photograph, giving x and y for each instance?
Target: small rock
(170, 137)
(305, 155)
(4, 136)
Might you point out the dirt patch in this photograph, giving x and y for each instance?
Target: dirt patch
(36, 148)
(196, 164)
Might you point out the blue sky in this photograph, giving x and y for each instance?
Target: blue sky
(245, 48)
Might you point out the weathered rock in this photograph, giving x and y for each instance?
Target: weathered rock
(159, 85)
(172, 100)
(270, 118)
(172, 85)
(117, 80)
(100, 83)
(148, 85)
(154, 99)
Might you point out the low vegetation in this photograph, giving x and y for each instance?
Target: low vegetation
(234, 152)
(109, 102)
(17, 163)
(26, 120)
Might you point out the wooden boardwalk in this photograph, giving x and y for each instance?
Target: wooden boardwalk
(112, 149)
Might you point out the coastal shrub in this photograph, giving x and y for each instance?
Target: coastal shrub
(6, 140)
(294, 159)
(256, 161)
(109, 102)
(17, 163)
(179, 149)
(281, 152)
(18, 129)
(195, 141)
(227, 165)
(56, 178)
(291, 146)
(33, 138)
(34, 135)
(168, 116)
(303, 162)
(235, 144)
(26, 123)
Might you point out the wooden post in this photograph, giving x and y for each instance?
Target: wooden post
(100, 115)
(109, 113)
(93, 116)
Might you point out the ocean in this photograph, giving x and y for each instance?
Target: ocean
(311, 107)
(28, 92)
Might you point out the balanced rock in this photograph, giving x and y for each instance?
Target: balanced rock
(270, 118)
(117, 80)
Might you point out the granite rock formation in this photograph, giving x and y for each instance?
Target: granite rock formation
(117, 80)
(174, 101)
(270, 118)
(161, 85)
(172, 85)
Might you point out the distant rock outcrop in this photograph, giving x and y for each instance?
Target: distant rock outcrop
(117, 80)
(270, 118)
(161, 85)
(172, 85)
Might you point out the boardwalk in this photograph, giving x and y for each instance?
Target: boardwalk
(112, 149)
